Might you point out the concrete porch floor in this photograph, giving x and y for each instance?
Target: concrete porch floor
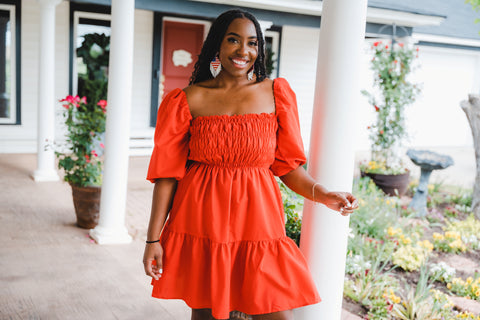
(50, 269)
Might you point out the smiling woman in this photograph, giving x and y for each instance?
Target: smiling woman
(218, 145)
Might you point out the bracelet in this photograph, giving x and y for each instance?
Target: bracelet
(313, 192)
(153, 241)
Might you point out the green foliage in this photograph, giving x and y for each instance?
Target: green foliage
(375, 212)
(391, 67)
(81, 162)
(417, 302)
(95, 52)
(292, 206)
(269, 61)
(369, 286)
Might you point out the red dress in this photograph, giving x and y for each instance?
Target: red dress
(224, 243)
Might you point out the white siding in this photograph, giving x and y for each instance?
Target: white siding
(142, 70)
(22, 138)
(298, 64)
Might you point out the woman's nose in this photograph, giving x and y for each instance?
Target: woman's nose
(242, 49)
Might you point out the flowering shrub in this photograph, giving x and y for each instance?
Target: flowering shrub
(468, 229)
(451, 241)
(410, 257)
(391, 67)
(442, 272)
(469, 288)
(380, 167)
(82, 161)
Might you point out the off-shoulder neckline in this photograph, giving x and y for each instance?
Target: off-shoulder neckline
(234, 116)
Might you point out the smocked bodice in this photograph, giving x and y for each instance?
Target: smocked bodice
(234, 141)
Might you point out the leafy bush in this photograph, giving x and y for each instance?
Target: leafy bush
(292, 206)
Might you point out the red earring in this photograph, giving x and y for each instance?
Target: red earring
(215, 66)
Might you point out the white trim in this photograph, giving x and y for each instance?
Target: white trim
(76, 20)
(315, 8)
(447, 40)
(406, 19)
(13, 66)
(309, 7)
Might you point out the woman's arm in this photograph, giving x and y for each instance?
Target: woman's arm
(163, 193)
(302, 183)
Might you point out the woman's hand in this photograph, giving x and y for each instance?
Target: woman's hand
(342, 202)
(152, 260)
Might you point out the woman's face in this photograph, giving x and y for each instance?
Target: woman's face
(239, 47)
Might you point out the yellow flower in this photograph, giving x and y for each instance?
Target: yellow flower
(477, 293)
(437, 236)
(469, 280)
(449, 286)
(452, 235)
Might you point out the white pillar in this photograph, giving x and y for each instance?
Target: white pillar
(46, 94)
(111, 226)
(331, 154)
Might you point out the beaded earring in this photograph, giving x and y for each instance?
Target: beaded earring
(250, 73)
(215, 66)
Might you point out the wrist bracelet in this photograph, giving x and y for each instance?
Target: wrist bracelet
(153, 241)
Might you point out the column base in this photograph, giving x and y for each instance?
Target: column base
(45, 175)
(103, 235)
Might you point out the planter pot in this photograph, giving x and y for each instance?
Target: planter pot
(391, 184)
(87, 205)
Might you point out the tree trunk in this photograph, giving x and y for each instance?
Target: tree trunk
(472, 110)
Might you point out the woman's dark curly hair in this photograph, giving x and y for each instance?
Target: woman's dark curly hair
(215, 36)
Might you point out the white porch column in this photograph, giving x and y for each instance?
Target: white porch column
(331, 155)
(46, 94)
(111, 226)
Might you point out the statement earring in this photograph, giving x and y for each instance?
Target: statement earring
(250, 74)
(215, 66)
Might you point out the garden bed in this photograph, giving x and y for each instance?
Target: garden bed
(400, 266)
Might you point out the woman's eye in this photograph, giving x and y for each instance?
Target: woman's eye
(253, 43)
(232, 40)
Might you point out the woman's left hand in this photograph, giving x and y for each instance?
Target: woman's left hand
(343, 202)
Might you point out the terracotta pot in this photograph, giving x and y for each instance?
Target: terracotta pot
(87, 205)
(391, 184)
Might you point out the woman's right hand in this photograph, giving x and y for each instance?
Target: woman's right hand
(152, 260)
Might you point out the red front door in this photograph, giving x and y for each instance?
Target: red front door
(182, 43)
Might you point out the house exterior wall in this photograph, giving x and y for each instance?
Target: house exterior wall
(448, 76)
(22, 138)
(434, 120)
(140, 131)
(298, 64)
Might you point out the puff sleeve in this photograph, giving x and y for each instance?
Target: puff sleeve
(171, 138)
(289, 152)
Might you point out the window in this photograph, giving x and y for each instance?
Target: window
(86, 23)
(9, 107)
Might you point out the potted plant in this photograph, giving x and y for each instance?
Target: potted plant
(81, 157)
(392, 92)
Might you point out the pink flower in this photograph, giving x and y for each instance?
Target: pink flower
(386, 47)
(375, 44)
(87, 158)
(400, 44)
(83, 100)
(94, 153)
(66, 106)
(377, 108)
(102, 145)
(381, 131)
(102, 104)
(395, 61)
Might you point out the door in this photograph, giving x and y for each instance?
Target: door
(182, 43)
